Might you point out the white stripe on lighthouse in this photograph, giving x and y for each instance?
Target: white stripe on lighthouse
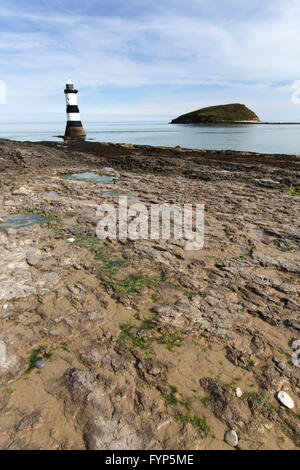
(73, 117)
(71, 98)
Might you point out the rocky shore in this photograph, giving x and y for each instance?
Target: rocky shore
(146, 344)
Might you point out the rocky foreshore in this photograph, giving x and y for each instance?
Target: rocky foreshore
(147, 344)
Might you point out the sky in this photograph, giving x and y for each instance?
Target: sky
(147, 60)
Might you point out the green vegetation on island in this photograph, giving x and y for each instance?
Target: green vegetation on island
(226, 113)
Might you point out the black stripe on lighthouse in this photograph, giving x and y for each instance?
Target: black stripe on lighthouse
(71, 108)
(74, 124)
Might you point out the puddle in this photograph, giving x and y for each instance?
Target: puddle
(116, 194)
(48, 193)
(18, 221)
(90, 176)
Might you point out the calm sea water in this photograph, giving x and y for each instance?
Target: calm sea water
(263, 138)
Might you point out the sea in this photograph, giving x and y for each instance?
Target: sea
(263, 138)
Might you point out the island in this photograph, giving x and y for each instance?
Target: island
(225, 114)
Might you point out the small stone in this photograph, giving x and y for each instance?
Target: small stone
(231, 438)
(40, 364)
(238, 392)
(71, 240)
(296, 358)
(285, 400)
(53, 333)
(154, 371)
(5, 306)
(282, 366)
(296, 344)
(164, 423)
(32, 258)
(268, 426)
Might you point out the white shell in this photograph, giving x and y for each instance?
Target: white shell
(71, 240)
(238, 392)
(231, 438)
(285, 399)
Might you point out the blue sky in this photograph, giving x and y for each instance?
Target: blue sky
(148, 60)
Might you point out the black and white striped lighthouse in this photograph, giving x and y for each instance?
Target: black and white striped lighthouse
(74, 128)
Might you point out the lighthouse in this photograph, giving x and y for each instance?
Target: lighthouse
(74, 129)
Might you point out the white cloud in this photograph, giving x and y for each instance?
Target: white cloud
(246, 55)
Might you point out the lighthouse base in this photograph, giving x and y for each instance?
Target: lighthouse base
(74, 132)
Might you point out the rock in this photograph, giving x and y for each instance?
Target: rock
(22, 191)
(224, 405)
(221, 333)
(53, 333)
(106, 423)
(295, 344)
(33, 258)
(11, 364)
(16, 279)
(266, 181)
(231, 438)
(71, 240)
(238, 392)
(285, 400)
(46, 282)
(282, 366)
(296, 358)
(164, 423)
(154, 371)
(40, 364)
